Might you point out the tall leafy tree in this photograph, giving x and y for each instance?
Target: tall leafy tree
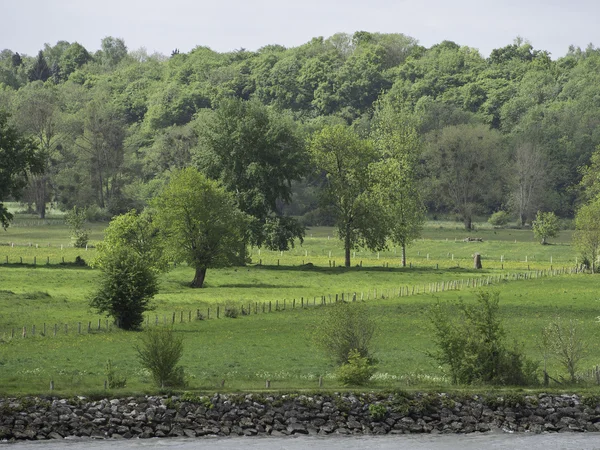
(398, 147)
(113, 51)
(18, 158)
(345, 159)
(463, 164)
(545, 226)
(256, 153)
(102, 141)
(526, 181)
(587, 232)
(200, 222)
(37, 112)
(130, 258)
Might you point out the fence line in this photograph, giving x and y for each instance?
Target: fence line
(233, 309)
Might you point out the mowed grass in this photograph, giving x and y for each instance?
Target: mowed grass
(277, 346)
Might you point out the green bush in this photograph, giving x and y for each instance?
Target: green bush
(545, 226)
(127, 285)
(499, 219)
(377, 411)
(345, 327)
(76, 219)
(114, 381)
(231, 310)
(159, 351)
(357, 371)
(471, 343)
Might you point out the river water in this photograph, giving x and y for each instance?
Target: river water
(487, 441)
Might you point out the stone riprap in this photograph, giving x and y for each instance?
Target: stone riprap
(292, 414)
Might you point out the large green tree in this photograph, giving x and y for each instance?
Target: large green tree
(256, 153)
(200, 223)
(587, 232)
(463, 165)
(37, 112)
(395, 174)
(130, 258)
(345, 159)
(18, 158)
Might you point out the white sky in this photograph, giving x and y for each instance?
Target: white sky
(226, 25)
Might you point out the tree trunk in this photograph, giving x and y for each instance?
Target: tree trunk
(39, 184)
(199, 277)
(347, 249)
(403, 254)
(468, 224)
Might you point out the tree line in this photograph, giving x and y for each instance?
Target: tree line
(510, 132)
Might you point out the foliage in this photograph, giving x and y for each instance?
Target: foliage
(473, 346)
(378, 411)
(464, 163)
(127, 285)
(137, 233)
(395, 175)
(499, 218)
(76, 219)
(345, 328)
(256, 153)
(545, 226)
(357, 371)
(121, 120)
(200, 223)
(527, 180)
(587, 232)
(344, 159)
(18, 157)
(590, 180)
(565, 341)
(113, 379)
(159, 351)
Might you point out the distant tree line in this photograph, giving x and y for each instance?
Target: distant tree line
(467, 136)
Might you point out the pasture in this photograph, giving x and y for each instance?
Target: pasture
(278, 345)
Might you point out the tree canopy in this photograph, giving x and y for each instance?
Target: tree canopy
(200, 223)
(112, 124)
(18, 159)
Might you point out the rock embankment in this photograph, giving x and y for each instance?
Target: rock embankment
(277, 415)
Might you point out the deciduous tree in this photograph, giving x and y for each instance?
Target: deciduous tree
(398, 148)
(18, 158)
(545, 226)
(463, 163)
(256, 153)
(587, 232)
(37, 112)
(200, 222)
(130, 258)
(345, 159)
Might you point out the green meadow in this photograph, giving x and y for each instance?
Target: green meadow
(71, 343)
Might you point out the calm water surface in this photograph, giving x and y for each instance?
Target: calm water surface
(487, 441)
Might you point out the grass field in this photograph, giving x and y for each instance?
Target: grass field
(278, 346)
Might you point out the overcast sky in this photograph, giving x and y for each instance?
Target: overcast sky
(224, 25)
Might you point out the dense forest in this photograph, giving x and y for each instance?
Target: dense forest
(509, 132)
